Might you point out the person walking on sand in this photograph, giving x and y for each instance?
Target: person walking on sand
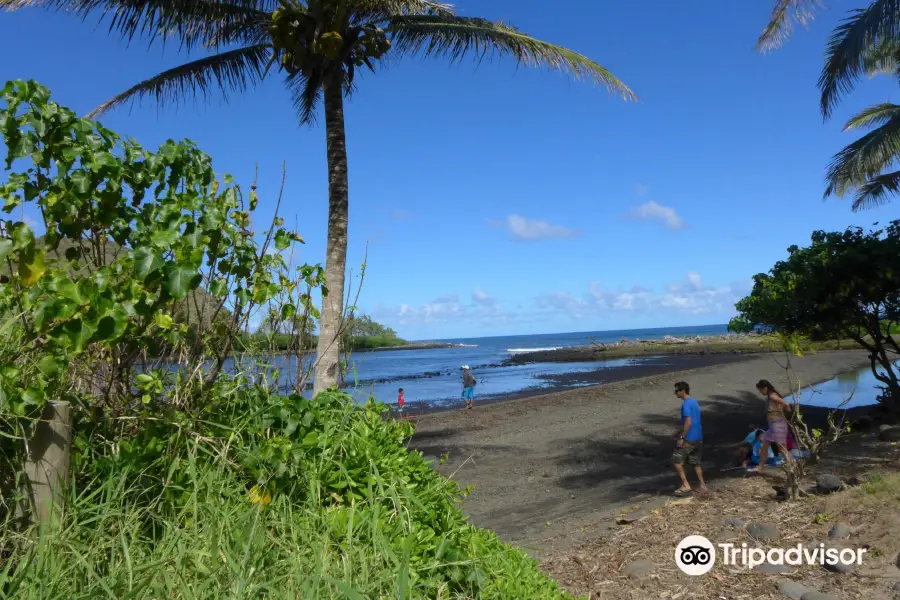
(777, 433)
(400, 400)
(468, 392)
(689, 447)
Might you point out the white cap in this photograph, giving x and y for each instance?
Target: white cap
(466, 367)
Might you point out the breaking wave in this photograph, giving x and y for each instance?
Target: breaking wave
(526, 350)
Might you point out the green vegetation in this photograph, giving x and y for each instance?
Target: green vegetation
(188, 481)
(845, 285)
(318, 47)
(865, 44)
(360, 333)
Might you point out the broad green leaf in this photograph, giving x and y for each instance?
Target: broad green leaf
(6, 246)
(32, 267)
(79, 333)
(34, 396)
(218, 288)
(48, 366)
(288, 311)
(66, 288)
(146, 261)
(113, 325)
(282, 240)
(180, 280)
(22, 236)
(164, 238)
(163, 320)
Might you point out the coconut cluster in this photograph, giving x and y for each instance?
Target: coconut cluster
(297, 40)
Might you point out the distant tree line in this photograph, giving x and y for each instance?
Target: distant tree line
(360, 333)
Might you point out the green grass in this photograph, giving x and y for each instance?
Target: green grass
(352, 515)
(761, 345)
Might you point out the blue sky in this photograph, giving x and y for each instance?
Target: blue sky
(497, 200)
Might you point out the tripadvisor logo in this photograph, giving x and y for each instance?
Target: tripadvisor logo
(695, 555)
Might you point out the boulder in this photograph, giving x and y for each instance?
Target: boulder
(818, 596)
(792, 589)
(770, 569)
(763, 532)
(827, 484)
(638, 570)
(736, 523)
(864, 423)
(891, 434)
(840, 531)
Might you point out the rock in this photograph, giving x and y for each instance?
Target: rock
(639, 569)
(818, 596)
(864, 423)
(839, 567)
(892, 434)
(769, 568)
(763, 532)
(826, 484)
(896, 588)
(736, 523)
(792, 589)
(882, 428)
(840, 531)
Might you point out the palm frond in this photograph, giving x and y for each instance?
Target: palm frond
(191, 21)
(781, 23)
(306, 92)
(883, 59)
(864, 159)
(850, 43)
(235, 70)
(877, 191)
(874, 115)
(454, 37)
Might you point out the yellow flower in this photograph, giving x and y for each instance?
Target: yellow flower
(260, 496)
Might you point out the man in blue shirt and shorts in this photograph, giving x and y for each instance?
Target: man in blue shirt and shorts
(689, 447)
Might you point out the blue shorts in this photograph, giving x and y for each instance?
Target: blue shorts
(469, 393)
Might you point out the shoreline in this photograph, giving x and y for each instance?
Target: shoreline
(579, 380)
(545, 466)
(739, 344)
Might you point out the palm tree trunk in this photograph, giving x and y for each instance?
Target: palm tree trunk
(328, 351)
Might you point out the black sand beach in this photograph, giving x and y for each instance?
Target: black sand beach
(543, 467)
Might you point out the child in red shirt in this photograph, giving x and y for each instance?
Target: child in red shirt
(400, 400)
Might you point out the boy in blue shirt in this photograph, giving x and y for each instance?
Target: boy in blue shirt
(689, 448)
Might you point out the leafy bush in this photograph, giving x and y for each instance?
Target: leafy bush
(844, 285)
(190, 481)
(292, 499)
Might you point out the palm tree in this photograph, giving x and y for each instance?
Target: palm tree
(317, 45)
(865, 44)
(781, 23)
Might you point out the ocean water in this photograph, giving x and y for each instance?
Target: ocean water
(433, 376)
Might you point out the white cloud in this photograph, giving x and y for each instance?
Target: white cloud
(482, 308)
(532, 229)
(652, 211)
(687, 297)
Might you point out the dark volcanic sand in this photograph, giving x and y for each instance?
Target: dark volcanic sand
(564, 381)
(572, 458)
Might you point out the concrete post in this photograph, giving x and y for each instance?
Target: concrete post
(47, 462)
